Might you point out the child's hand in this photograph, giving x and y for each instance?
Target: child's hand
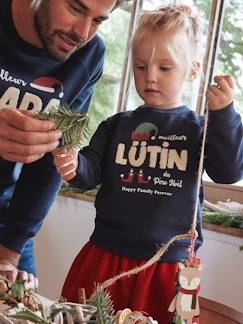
(221, 94)
(66, 162)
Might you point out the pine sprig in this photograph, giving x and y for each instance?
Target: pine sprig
(73, 125)
(179, 320)
(103, 302)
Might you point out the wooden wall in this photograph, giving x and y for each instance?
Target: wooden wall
(215, 192)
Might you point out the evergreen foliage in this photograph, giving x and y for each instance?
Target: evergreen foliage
(225, 219)
(105, 310)
(180, 320)
(67, 190)
(73, 125)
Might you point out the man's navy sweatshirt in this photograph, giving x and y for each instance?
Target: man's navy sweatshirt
(30, 79)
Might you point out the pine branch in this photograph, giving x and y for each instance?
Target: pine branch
(179, 320)
(103, 302)
(73, 125)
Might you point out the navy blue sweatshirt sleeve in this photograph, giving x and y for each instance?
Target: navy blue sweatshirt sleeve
(34, 194)
(225, 146)
(91, 158)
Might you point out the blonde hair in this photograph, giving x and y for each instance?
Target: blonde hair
(173, 18)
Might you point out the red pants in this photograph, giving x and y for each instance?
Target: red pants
(151, 291)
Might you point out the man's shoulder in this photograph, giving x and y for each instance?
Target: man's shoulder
(98, 42)
(5, 12)
(95, 47)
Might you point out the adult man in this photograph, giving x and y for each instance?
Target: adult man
(50, 55)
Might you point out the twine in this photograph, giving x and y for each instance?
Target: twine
(146, 265)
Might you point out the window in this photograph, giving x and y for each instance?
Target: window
(114, 32)
(230, 55)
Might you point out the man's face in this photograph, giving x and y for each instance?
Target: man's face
(63, 26)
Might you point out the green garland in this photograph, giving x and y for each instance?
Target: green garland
(234, 220)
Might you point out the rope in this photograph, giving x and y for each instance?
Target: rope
(146, 265)
(211, 55)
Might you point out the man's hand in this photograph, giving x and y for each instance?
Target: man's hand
(221, 93)
(66, 162)
(24, 138)
(8, 267)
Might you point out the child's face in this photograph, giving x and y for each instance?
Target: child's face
(159, 63)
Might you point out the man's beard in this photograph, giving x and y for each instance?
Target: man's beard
(43, 28)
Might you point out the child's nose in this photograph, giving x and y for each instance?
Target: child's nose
(151, 75)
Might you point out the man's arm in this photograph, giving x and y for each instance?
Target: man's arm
(8, 267)
(8, 262)
(33, 196)
(39, 182)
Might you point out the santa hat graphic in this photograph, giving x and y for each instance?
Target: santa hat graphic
(48, 84)
(144, 132)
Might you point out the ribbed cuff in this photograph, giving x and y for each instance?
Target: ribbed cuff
(76, 181)
(223, 117)
(14, 241)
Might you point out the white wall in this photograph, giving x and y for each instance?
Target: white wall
(66, 229)
(222, 278)
(70, 223)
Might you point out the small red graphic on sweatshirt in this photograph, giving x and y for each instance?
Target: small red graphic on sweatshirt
(141, 179)
(48, 84)
(144, 132)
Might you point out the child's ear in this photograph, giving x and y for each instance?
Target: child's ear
(194, 71)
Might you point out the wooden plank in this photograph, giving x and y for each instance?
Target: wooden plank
(225, 230)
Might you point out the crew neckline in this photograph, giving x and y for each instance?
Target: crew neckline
(175, 110)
